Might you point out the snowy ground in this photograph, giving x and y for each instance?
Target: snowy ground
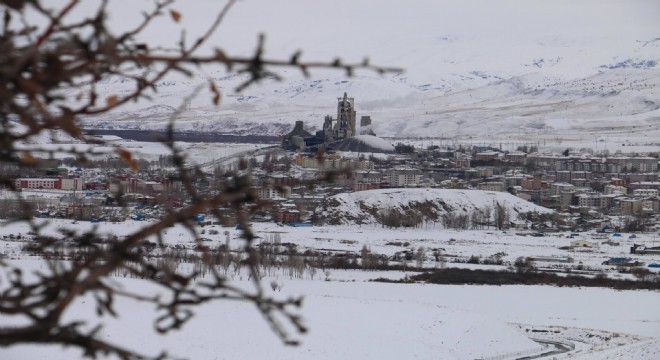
(351, 317)
(456, 245)
(357, 319)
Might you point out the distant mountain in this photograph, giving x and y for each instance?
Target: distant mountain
(371, 207)
(478, 68)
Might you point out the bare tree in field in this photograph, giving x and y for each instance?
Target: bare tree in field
(486, 213)
(420, 256)
(39, 64)
(502, 217)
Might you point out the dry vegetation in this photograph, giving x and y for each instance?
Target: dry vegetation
(37, 66)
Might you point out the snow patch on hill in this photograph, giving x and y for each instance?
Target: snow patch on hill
(369, 207)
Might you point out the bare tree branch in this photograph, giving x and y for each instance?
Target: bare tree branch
(37, 69)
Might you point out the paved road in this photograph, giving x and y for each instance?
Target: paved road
(555, 348)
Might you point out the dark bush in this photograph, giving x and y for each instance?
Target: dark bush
(474, 260)
(454, 276)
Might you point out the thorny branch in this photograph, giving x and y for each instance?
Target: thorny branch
(38, 66)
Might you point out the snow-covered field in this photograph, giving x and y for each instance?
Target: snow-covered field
(350, 317)
(387, 321)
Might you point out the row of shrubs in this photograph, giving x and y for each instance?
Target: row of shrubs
(455, 276)
(495, 259)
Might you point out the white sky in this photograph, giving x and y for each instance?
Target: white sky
(492, 35)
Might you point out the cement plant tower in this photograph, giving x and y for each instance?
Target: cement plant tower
(344, 127)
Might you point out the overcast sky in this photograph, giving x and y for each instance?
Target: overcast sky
(425, 36)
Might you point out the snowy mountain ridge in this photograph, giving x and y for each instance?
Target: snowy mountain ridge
(400, 108)
(479, 68)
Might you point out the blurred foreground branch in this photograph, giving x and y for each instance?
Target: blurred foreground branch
(40, 67)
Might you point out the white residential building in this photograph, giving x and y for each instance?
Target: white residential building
(271, 192)
(492, 186)
(645, 193)
(400, 177)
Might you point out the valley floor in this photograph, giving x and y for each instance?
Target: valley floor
(352, 317)
(357, 319)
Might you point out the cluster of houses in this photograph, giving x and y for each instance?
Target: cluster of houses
(89, 194)
(612, 185)
(570, 183)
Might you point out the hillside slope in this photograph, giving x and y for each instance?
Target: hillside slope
(477, 68)
(418, 205)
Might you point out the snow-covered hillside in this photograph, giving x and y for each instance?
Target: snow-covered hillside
(370, 207)
(473, 68)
